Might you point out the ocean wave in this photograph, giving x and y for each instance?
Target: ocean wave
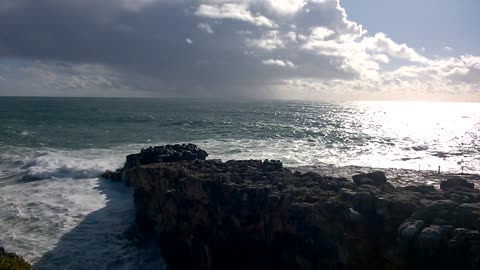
(68, 165)
(35, 164)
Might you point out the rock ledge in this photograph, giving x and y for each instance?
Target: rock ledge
(252, 214)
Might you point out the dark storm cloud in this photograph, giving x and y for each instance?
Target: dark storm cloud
(146, 42)
(234, 48)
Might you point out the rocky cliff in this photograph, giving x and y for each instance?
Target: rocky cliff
(157, 154)
(209, 214)
(11, 261)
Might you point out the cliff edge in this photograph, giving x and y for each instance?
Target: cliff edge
(209, 214)
(11, 261)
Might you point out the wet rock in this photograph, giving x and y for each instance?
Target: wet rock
(456, 182)
(376, 178)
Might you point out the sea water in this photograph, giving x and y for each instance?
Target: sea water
(57, 213)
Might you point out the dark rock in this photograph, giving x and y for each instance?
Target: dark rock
(456, 182)
(420, 188)
(459, 198)
(254, 214)
(271, 218)
(376, 178)
(410, 229)
(11, 261)
(167, 153)
(363, 202)
(157, 154)
(432, 239)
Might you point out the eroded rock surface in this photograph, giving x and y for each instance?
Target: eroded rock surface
(252, 214)
(165, 153)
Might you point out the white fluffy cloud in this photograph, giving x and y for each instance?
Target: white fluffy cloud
(233, 11)
(285, 7)
(269, 41)
(278, 62)
(382, 44)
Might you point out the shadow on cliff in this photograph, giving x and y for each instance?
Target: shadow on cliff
(105, 239)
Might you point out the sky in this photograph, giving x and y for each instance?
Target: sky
(269, 49)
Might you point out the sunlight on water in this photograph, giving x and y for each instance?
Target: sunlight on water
(423, 120)
(425, 130)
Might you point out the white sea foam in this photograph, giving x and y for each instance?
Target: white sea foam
(67, 165)
(69, 213)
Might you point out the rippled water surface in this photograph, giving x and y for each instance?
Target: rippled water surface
(51, 150)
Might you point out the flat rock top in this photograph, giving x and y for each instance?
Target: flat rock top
(365, 219)
(254, 173)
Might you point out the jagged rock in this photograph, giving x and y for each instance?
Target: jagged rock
(456, 182)
(167, 153)
(376, 178)
(156, 154)
(253, 214)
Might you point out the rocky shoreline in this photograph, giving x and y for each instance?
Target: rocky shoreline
(250, 214)
(398, 177)
(11, 261)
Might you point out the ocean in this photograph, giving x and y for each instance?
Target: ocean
(57, 213)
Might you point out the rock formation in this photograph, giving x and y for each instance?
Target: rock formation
(252, 214)
(166, 153)
(11, 261)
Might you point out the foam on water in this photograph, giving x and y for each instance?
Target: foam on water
(65, 165)
(57, 209)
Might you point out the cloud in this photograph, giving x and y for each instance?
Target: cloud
(232, 11)
(137, 5)
(382, 44)
(269, 41)
(280, 63)
(209, 48)
(205, 27)
(285, 7)
(448, 49)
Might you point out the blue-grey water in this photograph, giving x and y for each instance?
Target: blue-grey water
(54, 208)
